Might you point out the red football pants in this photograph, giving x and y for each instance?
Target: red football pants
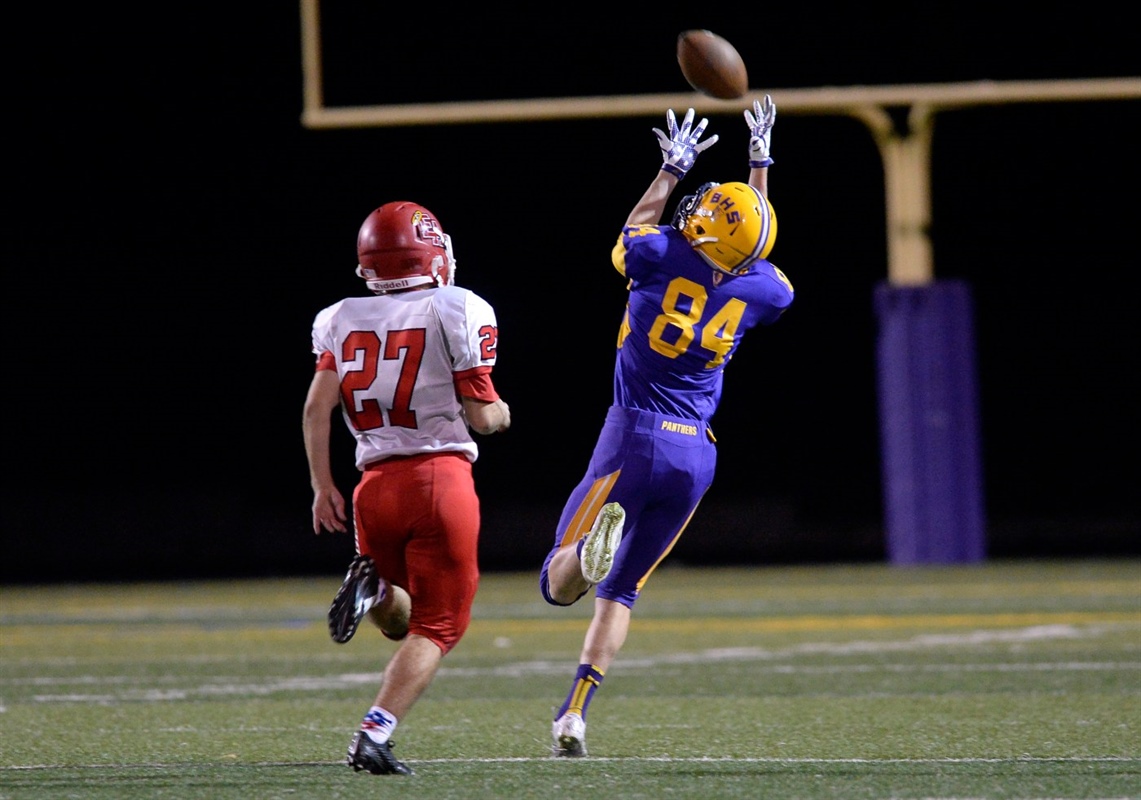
(418, 517)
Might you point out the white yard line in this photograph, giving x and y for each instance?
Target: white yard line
(231, 686)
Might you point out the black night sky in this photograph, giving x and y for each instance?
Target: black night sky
(172, 228)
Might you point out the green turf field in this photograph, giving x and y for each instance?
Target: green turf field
(1004, 680)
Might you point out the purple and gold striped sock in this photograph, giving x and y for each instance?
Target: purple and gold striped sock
(586, 681)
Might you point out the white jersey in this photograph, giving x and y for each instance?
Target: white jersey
(396, 356)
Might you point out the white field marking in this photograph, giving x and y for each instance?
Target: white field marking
(227, 686)
(710, 655)
(662, 759)
(179, 680)
(223, 686)
(773, 760)
(1016, 628)
(720, 654)
(920, 642)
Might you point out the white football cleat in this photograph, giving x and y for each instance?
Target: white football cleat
(569, 734)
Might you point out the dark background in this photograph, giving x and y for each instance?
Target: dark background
(172, 228)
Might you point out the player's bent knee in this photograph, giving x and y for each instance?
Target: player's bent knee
(557, 599)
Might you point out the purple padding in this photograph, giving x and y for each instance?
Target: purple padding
(929, 429)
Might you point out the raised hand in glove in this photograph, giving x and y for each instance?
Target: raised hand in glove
(760, 121)
(681, 147)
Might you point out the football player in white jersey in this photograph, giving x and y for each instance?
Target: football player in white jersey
(410, 369)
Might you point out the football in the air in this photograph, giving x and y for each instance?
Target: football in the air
(711, 64)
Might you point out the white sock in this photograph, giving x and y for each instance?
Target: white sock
(378, 724)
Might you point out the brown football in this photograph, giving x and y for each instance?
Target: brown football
(711, 65)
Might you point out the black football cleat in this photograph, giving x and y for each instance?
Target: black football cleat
(365, 754)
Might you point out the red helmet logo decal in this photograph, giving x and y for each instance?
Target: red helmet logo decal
(427, 229)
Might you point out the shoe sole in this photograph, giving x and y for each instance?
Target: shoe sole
(598, 552)
(569, 740)
(569, 747)
(348, 607)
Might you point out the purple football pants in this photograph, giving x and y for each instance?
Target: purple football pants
(658, 468)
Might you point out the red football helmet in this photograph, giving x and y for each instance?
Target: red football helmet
(402, 246)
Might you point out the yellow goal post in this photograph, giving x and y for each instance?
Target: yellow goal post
(906, 154)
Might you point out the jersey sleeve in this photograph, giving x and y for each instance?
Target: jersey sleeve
(470, 328)
(322, 332)
(779, 293)
(473, 335)
(476, 384)
(638, 248)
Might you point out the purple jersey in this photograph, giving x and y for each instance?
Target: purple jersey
(656, 455)
(684, 319)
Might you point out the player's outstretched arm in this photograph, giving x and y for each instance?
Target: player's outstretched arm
(650, 207)
(760, 121)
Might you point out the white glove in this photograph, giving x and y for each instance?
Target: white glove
(760, 122)
(680, 148)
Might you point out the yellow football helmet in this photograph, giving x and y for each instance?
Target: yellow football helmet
(730, 225)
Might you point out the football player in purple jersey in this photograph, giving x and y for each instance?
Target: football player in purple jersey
(696, 286)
